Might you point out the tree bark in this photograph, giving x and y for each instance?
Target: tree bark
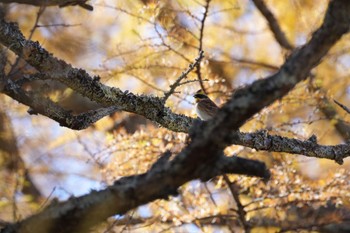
(202, 158)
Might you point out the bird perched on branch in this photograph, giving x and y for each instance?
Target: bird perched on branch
(205, 107)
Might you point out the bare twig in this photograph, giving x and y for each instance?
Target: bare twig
(191, 81)
(36, 22)
(168, 46)
(182, 76)
(273, 24)
(42, 205)
(234, 189)
(13, 70)
(200, 48)
(57, 25)
(342, 106)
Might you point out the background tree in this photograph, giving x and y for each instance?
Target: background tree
(265, 163)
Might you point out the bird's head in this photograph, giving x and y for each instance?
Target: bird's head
(200, 96)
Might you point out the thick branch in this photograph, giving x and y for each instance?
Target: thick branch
(208, 138)
(43, 105)
(150, 107)
(251, 99)
(80, 214)
(310, 148)
(80, 81)
(324, 104)
(60, 3)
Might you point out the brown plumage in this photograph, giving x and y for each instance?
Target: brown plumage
(205, 108)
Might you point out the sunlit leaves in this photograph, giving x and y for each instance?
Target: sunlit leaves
(130, 154)
(143, 47)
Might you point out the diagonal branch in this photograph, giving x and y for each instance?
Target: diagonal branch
(150, 103)
(203, 154)
(249, 100)
(80, 81)
(324, 103)
(43, 105)
(80, 214)
(60, 3)
(242, 214)
(273, 24)
(346, 109)
(183, 75)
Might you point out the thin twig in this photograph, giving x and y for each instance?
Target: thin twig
(240, 208)
(46, 200)
(14, 198)
(210, 194)
(13, 70)
(192, 81)
(182, 76)
(168, 46)
(89, 152)
(215, 204)
(342, 106)
(38, 15)
(129, 218)
(200, 49)
(57, 25)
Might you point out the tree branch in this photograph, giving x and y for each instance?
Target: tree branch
(200, 48)
(273, 24)
(346, 109)
(45, 106)
(182, 76)
(11, 158)
(80, 214)
(328, 109)
(80, 81)
(324, 104)
(262, 141)
(84, 120)
(208, 138)
(60, 3)
(242, 214)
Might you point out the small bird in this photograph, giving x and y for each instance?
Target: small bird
(205, 107)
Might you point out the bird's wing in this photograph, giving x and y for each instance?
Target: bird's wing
(209, 106)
